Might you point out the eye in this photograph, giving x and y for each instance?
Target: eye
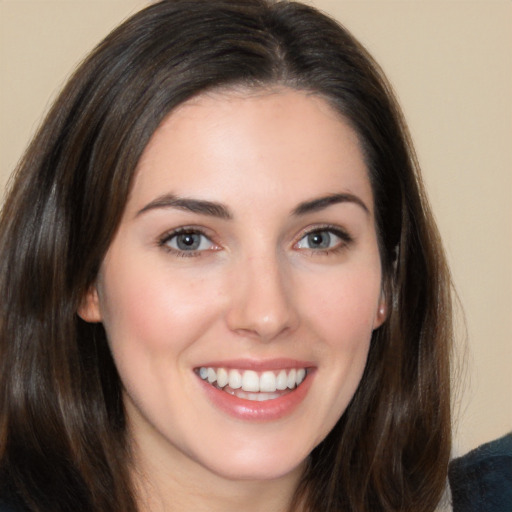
(187, 241)
(325, 239)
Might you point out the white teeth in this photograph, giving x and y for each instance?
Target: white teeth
(301, 375)
(292, 375)
(212, 375)
(235, 379)
(222, 377)
(250, 381)
(282, 380)
(266, 383)
(256, 397)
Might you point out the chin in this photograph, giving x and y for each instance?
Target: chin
(257, 464)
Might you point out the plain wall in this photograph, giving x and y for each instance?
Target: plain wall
(451, 65)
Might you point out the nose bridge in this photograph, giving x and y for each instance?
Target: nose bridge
(262, 305)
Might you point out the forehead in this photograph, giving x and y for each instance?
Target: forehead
(232, 144)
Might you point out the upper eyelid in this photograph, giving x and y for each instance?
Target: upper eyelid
(164, 242)
(185, 229)
(337, 230)
(164, 239)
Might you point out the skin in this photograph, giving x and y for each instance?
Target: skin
(256, 289)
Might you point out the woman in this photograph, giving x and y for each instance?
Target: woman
(222, 283)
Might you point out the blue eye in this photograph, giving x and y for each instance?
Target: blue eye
(323, 239)
(188, 241)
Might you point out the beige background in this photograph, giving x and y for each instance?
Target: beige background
(450, 62)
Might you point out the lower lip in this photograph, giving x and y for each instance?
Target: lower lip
(249, 410)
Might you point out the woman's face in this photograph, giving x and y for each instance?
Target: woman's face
(242, 287)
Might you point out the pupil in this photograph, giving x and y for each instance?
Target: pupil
(319, 240)
(188, 241)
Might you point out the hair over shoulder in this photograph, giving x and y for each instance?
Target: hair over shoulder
(62, 426)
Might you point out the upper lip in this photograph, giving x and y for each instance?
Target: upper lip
(258, 364)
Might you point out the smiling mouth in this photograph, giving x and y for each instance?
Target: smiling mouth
(252, 385)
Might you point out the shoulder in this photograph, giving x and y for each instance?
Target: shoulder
(482, 479)
(6, 506)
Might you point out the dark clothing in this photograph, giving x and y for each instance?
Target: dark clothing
(6, 507)
(8, 502)
(481, 481)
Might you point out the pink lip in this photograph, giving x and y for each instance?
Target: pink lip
(259, 365)
(248, 410)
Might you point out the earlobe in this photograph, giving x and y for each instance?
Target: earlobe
(89, 309)
(382, 312)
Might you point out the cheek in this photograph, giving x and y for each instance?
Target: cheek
(340, 311)
(152, 310)
(344, 306)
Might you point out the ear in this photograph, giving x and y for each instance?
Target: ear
(382, 312)
(89, 309)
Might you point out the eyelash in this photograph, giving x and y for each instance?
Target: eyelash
(167, 237)
(344, 237)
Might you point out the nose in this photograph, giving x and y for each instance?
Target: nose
(262, 305)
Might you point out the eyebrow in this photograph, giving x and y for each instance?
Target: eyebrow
(321, 203)
(190, 205)
(220, 211)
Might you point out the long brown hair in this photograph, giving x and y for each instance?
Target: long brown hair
(62, 426)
